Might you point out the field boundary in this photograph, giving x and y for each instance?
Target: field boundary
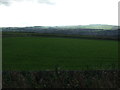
(26, 34)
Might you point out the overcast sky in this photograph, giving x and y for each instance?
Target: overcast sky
(18, 13)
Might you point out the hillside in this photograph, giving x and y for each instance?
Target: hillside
(96, 30)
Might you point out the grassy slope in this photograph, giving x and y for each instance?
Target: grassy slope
(28, 53)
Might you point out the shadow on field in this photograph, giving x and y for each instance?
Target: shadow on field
(61, 79)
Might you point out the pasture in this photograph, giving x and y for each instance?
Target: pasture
(44, 53)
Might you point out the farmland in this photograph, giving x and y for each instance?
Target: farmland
(43, 53)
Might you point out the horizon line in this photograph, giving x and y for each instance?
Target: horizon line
(55, 25)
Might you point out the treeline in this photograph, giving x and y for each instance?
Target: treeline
(112, 34)
(33, 34)
(67, 31)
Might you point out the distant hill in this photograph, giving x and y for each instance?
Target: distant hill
(91, 26)
(99, 26)
(93, 29)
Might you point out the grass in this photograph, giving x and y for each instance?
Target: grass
(40, 53)
(61, 79)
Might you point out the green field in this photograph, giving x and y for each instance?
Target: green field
(40, 53)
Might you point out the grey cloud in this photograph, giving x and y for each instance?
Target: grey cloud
(7, 2)
(46, 2)
(4, 2)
